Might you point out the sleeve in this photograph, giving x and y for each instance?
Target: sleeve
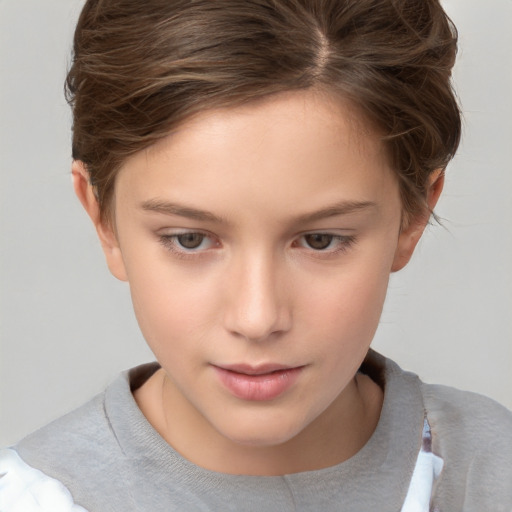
(26, 489)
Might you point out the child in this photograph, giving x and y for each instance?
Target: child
(255, 170)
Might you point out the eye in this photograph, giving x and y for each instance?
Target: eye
(188, 242)
(325, 242)
(319, 241)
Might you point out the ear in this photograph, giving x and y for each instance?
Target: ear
(108, 239)
(411, 234)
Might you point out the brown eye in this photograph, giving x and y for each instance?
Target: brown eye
(318, 241)
(190, 240)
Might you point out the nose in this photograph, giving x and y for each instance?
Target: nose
(258, 307)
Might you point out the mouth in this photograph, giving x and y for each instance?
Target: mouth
(257, 383)
(263, 369)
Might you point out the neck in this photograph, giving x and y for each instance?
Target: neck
(332, 438)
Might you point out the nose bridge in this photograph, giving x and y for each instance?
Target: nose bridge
(257, 305)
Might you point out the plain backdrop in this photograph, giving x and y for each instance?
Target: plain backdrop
(67, 326)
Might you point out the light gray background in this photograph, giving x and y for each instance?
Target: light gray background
(66, 325)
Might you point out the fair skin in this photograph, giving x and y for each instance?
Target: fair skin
(258, 243)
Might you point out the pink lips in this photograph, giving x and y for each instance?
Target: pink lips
(257, 383)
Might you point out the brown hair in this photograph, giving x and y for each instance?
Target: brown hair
(141, 68)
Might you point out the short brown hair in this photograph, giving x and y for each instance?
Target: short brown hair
(141, 68)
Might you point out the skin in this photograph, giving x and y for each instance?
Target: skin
(252, 186)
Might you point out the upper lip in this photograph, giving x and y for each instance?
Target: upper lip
(260, 369)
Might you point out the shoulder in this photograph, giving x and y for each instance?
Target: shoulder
(473, 435)
(470, 432)
(65, 455)
(93, 436)
(71, 438)
(94, 450)
(35, 475)
(466, 413)
(461, 421)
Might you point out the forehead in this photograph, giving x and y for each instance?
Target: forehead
(281, 149)
(293, 113)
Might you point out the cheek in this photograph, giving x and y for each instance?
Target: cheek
(171, 305)
(350, 301)
(343, 321)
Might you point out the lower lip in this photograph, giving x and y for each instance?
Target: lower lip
(258, 387)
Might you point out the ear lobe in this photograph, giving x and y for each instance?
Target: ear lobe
(411, 234)
(86, 194)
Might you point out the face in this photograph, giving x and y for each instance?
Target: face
(257, 243)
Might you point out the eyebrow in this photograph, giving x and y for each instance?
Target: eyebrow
(168, 208)
(341, 208)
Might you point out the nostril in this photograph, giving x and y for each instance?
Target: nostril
(258, 321)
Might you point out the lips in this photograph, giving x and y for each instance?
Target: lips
(257, 383)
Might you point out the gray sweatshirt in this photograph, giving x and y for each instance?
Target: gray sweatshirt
(111, 459)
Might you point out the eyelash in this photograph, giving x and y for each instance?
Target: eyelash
(342, 243)
(171, 243)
